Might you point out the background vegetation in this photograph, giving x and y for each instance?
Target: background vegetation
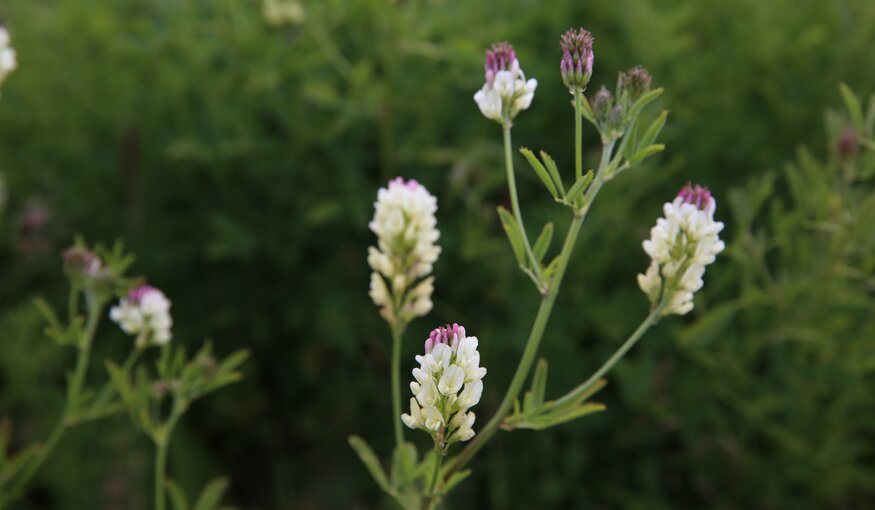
(237, 147)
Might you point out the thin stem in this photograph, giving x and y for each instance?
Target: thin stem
(160, 473)
(578, 133)
(106, 392)
(630, 342)
(514, 200)
(537, 332)
(73, 395)
(396, 384)
(434, 474)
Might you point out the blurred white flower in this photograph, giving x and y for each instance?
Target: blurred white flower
(448, 382)
(8, 60)
(145, 312)
(506, 91)
(283, 12)
(680, 246)
(406, 228)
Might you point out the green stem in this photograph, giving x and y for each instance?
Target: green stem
(434, 475)
(160, 473)
(537, 332)
(396, 384)
(630, 342)
(108, 389)
(578, 133)
(514, 200)
(73, 395)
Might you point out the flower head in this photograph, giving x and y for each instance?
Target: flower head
(406, 228)
(144, 312)
(81, 264)
(636, 82)
(448, 382)
(680, 246)
(506, 91)
(577, 58)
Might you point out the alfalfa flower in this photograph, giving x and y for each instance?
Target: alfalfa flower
(506, 91)
(406, 228)
(8, 60)
(144, 312)
(577, 58)
(680, 246)
(448, 382)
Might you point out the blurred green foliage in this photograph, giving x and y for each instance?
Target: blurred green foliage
(238, 154)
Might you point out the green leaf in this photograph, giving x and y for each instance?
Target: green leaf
(577, 190)
(455, 480)
(122, 385)
(586, 111)
(405, 461)
(646, 152)
(212, 495)
(371, 462)
(643, 101)
(853, 105)
(553, 419)
(554, 171)
(539, 382)
(540, 171)
(514, 235)
(543, 242)
(653, 131)
(177, 497)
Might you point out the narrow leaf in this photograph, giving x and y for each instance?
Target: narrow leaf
(554, 171)
(653, 131)
(577, 190)
(646, 152)
(212, 495)
(853, 105)
(543, 242)
(455, 480)
(371, 462)
(643, 101)
(177, 497)
(539, 382)
(586, 111)
(514, 235)
(540, 170)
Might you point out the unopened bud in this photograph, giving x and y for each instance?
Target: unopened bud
(636, 82)
(847, 144)
(577, 58)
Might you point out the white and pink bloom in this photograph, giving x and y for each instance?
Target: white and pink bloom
(506, 91)
(448, 382)
(145, 312)
(406, 228)
(680, 246)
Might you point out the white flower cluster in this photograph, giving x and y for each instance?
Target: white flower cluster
(506, 91)
(145, 312)
(680, 246)
(406, 228)
(8, 61)
(448, 383)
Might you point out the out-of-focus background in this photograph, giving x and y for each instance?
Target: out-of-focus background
(237, 147)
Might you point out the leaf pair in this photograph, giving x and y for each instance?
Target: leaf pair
(537, 414)
(410, 478)
(209, 499)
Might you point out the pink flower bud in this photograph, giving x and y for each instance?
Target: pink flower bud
(577, 58)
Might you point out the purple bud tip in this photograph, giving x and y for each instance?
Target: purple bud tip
(636, 81)
(444, 335)
(699, 196)
(137, 294)
(399, 181)
(499, 57)
(81, 261)
(848, 145)
(577, 57)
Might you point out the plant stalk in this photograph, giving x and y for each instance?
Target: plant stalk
(514, 200)
(396, 385)
(630, 342)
